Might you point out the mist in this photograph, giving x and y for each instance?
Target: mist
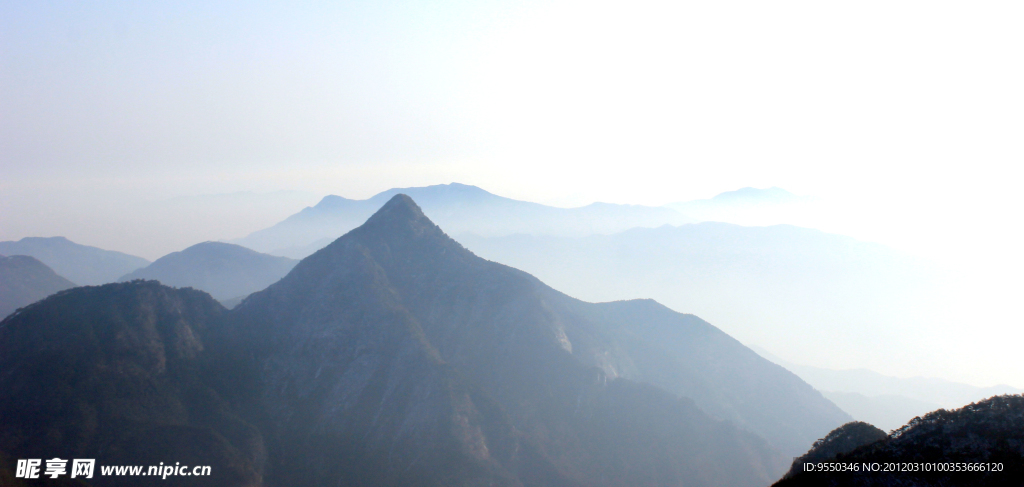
(146, 129)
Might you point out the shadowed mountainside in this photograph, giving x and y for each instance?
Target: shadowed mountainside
(840, 441)
(224, 270)
(989, 432)
(82, 264)
(118, 373)
(793, 290)
(25, 280)
(685, 355)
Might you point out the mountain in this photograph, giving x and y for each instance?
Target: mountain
(794, 290)
(839, 441)
(81, 264)
(884, 401)
(981, 444)
(886, 411)
(943, 393)
(687, 356)
(396, 301)
(119, 373)
(394, 356)
(747, 206)
(745, 197)
(460, 209)
(224, 270)
(25, 280)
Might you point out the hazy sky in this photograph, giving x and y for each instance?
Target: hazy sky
(904, 117)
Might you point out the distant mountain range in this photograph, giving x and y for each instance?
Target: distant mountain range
(944, 393)
(459, 208)
(795, 290)
(884, 401)
(394, 356)
(748, 206)
(886, 411)
(82, 264)
(224, 270)
(24, 280)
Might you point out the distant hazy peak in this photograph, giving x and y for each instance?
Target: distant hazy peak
(460, 209)
(63, 242)
(454, 188)
(49, 240)
(332, 200)
(214, 246)
(774, 193)
(451, 189)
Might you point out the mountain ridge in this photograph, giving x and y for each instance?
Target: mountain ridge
(414, 274)
(82, 264)
(25, 280)
(224, 270)
(395, 356)
(458, 207)
(980, 444)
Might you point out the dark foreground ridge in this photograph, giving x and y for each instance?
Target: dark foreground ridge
(119, 373)
(990, 432)
(394, 356)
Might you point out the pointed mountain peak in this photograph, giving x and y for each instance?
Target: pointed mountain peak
(400, 212)
(401, 226)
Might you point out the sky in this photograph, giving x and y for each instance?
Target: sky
(903, 118)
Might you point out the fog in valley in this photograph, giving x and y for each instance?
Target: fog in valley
(746, 223)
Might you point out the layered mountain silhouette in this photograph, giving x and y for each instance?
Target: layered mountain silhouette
(687, 356)
(394, 356)
(989, 433)
(460, 209)
(887, 411)
(82, 264)
(748, 206)
(884, 401)
(742, 198)
(25, 280)
(224, 270)
(446, 362)
(793, 290)
(797, 291)
(944, 393)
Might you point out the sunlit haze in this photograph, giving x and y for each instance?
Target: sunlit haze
(901, 119)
